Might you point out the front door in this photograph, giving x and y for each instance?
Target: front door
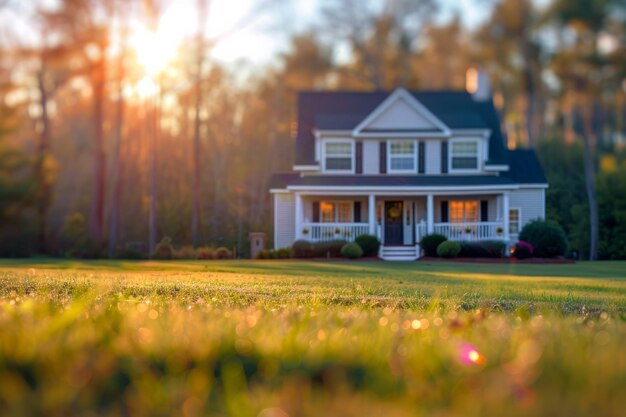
(393, 223)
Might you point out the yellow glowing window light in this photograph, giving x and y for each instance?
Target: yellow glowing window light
(463, 211)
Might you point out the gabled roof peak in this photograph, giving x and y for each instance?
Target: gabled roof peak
(400, 110)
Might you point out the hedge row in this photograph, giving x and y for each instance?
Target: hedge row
(538, 238)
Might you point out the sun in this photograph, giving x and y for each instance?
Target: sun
(154, 49)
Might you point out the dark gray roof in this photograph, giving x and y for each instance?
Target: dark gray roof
(345, 110)
(524, 169)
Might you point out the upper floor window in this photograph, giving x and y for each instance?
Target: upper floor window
(464, 155)
(402, 156)
(339, 155)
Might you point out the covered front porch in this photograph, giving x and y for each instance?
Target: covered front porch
(402, 220)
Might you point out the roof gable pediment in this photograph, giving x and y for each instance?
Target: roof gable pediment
(400, 112)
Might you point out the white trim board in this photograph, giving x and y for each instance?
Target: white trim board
(306, 167)
(395, 189)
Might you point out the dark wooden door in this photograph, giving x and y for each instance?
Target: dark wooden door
(393, 223)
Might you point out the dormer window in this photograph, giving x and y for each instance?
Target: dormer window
(464, 155)
(402, 156)
(338, 155)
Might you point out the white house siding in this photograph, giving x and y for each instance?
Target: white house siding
(401, 116)
(370, 157)
(530, 201)
(433, 156)
(284, 220)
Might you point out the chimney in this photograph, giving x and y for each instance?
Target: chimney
(477, 84)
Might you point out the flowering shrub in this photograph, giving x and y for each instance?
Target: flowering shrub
(523, 250)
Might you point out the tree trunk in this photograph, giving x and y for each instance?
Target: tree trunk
(153, 131)
(99, 179)
(529, 86)
(590, 185)
(43, 151)
(195, 187)
(116, 179)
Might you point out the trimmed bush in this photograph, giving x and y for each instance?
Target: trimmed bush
(205, 253)
(302, 249)
(223, 253)
(351, 251)
(282, 253)
(523, 250)
(164, 249)
(485, 249)
(331, 249)
(448, 249)
(369, 243)
(185, 252)
(547, 238)
(430, 243)
(306, 249)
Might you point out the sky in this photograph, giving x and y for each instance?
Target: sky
(246, 31)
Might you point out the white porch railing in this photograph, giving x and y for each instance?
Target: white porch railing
(421, 230)
(321, 232)
(471, 231)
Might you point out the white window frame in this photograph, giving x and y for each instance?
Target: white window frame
(519, 220)
(335, 211)
(390, 170)
(479, 154)
(352, 156)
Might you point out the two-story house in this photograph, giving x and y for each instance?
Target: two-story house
(402, 165)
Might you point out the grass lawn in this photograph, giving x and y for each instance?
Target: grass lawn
(276, 338)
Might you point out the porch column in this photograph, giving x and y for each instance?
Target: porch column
(430, 214)
(298, 216)
(505, 214)
(371, 213)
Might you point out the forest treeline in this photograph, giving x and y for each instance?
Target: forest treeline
(97, 152)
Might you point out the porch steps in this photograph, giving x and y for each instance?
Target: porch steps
(399, 253)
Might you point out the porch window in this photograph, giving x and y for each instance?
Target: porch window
(338, 156)
(464, 155)
(402, 155)
(336, 211)
(514, 221)
(463, 212)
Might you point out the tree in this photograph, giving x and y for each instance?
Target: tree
(508, 45)
(382, 42)
(196, 152)
(580, 69)
(16, 185)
